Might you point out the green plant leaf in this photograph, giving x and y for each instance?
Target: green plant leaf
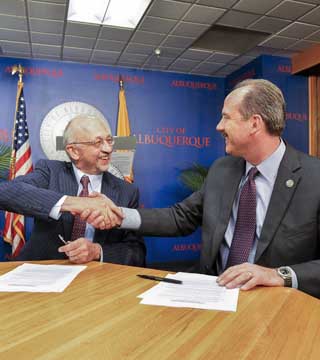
(5, 155)
(194, 177)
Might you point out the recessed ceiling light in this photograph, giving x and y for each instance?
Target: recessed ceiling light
(121, 13)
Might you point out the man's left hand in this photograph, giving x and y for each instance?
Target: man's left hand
(81, 251)
(247, 276)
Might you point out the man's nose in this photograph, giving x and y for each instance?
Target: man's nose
(106, 147)
(219, 126)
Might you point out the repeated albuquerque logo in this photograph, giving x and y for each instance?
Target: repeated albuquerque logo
(116, 78)
(39, 71)
(173, 137)
(296, 116)
(283, 68)
(249, 74)
(194, 84)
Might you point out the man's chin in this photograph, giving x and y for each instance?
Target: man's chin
(232, 152)
(104, 164)
(104, 168)
(228, 150)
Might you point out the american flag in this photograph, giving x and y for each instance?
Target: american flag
(20, 164)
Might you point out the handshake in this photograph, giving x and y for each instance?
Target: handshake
(97, 210)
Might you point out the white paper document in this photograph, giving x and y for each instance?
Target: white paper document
(39, 278)
(123, 161)
(196, 291)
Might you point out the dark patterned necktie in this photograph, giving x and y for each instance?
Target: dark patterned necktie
(245, 228)
(79, 226)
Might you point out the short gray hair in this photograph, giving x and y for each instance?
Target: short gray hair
(266, 99)
(80, 122)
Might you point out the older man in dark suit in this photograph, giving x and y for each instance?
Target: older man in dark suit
(49, 194)
(259, 208)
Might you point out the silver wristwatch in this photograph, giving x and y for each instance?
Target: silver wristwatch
(285, 273)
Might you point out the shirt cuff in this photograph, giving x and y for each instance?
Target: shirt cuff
(55, 211)
(294, 278)
(101, 253)
(132, 219)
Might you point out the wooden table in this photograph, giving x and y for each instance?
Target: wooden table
(99, 317)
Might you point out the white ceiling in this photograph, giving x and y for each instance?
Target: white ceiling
(38, 29)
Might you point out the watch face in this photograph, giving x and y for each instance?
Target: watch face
(284, 271)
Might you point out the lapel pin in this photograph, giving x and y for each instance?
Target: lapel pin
(289, 183)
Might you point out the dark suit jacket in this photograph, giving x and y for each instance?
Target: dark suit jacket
(36, 193)
(290, 233)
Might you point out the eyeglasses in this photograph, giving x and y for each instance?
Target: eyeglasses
(97, 143)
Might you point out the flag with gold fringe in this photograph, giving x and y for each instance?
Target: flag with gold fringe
(123, 125)
(20, 164)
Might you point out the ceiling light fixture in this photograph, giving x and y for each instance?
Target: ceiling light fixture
(118, 13)
(157, 52)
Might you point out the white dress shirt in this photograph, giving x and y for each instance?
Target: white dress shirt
(93, 186)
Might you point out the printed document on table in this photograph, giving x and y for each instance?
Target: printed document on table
(39, 278)
(197, 291)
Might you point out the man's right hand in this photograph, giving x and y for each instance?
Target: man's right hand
(111, 217)
(97, 209)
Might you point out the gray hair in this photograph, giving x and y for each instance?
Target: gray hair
(80, 122)
(266, 99)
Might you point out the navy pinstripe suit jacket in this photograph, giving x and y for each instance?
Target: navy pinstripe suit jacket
(36, 193)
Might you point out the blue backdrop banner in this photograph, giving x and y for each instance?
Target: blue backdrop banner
(172, 115)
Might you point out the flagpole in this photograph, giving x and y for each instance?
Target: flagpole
(16, 69)
(123, 125)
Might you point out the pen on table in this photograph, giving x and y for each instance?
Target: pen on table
(159, 278)
(62, 239)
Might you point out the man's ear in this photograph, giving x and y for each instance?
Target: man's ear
(72, 152)
(257, 123)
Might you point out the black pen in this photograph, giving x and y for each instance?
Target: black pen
(158, 278)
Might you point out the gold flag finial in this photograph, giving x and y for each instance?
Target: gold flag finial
(18, 69)
(121, 82)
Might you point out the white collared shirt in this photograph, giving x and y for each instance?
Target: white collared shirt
(93, 186)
